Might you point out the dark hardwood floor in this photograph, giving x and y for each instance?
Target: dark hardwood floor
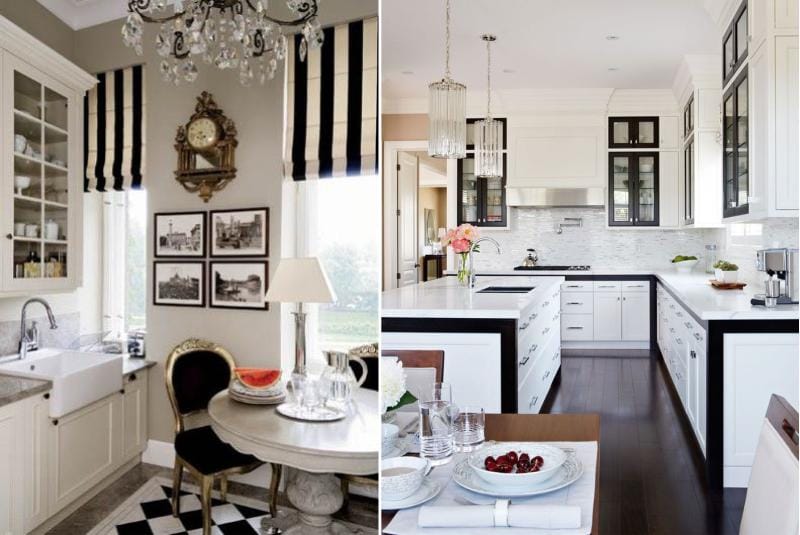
(651, 480)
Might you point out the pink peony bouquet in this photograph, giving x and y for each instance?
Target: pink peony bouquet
(462, 240)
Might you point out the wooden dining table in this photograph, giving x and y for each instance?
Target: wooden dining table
(543, 428)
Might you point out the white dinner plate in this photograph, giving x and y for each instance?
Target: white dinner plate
(567, 474)
(257, 400)
(318, 414)
(428, 490)
(400, 448)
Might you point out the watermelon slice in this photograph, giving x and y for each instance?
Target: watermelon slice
(258, 378)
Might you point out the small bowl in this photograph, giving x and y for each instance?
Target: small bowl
(402, 476)
(685, 266)
(727, 277)
(646, 168)
(389, 438)
(553, 459)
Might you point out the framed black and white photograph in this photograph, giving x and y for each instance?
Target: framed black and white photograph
(179, 284)
(181, 234)
(238, 285)
(240, 233)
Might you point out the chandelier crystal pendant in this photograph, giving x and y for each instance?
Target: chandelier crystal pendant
(488, 131)
(230, 34)
(447, 110)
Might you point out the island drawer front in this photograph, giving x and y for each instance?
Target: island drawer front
(607, 286)
(577, 303)
(538, 322)
(577, 327)
(535, 386)
(577, 286)
(635, 286)
(544, 347)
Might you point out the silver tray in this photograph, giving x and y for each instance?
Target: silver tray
(317, 414)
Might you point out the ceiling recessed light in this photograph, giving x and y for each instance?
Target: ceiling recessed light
(612, 69)
(407, 73)
(612, 37)
(509, 71)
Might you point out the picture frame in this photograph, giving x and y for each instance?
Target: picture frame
(179, 283)
(239, 233)
(179, 234)
(238, 284)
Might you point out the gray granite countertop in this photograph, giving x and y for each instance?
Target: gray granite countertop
(16, 388)
(132, 365)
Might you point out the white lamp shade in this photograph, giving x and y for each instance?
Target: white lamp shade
(300, 280)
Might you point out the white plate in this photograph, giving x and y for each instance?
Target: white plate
(428, 490)
(400, 448)
(553, 456)
(318, 414)
(567, 474)
(257, 401)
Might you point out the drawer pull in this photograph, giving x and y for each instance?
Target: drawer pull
(555, 317)
(574, 328)
(524, 361)
(606, 286)
(679, 341)
(546, 375)
(556, 355)
(688, 325)
(533, 316)
(555, 295)
(672, 330)
(546, 304)
(574, 286)
(697, 336)
(578, 303)
(636, 286)
(672, 306)
(679, 314)
(534, 399)
(524, 326)
(546, 330)
(693, 354)
(533, 348)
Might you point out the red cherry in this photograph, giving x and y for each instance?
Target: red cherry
(524, 457)
(538, 459)
(512, 456)
(503, 459)
(490, 465)
(523, 468)
(535, 468)
(488, 460)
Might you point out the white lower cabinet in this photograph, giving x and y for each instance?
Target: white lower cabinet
(611, 313)
(134, 417)
(11, 470)
(36, 437)
(607, 316)
(635, 315)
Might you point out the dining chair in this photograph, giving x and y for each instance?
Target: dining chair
(419, 358)
(771, 505)
(195, 371)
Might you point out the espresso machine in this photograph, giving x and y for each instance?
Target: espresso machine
(782, 287)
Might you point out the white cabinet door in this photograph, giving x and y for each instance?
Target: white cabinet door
(607, 316)
(668, 133)
(134, 413)
(38, 439)
(786, 125)
(702, 370)
(636, 316)
(669, 207)
(756, 366)
(693, 373)
(87, 447)
(11, 473)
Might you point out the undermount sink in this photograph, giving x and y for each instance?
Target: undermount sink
(79, 378)
(506, 290)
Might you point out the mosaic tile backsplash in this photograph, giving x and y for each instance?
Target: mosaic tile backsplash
(593, 243)
(67, 332)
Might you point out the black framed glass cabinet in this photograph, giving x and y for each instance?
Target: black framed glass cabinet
(633, 189)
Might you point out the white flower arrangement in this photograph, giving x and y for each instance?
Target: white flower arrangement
(393, 385)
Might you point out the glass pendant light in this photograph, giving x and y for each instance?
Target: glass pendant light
(489, 132)
(447, 110)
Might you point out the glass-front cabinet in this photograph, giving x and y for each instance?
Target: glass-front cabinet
(42, 187)
(481, 200)
(633, 132)
(734, 44)
(735, 128)
(633, 189)
(688, 162)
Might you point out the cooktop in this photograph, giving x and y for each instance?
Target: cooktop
(552, 268)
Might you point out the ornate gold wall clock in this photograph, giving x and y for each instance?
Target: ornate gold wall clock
(206, 147)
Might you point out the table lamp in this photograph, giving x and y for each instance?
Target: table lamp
(300, 280)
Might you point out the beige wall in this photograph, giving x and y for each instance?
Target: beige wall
(411, 127)
(32, 17)
(252, 336)
(436, 200)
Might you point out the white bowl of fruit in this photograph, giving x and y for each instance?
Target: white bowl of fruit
(517, 464)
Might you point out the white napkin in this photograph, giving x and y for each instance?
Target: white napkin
(484, 516)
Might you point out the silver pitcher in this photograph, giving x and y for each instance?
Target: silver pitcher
(341, 378)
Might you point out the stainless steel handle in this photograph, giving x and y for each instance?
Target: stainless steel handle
(574, 286)
(545, 304)
(533, 348)
(556, 355)
(688, 325)
(534, 399)
(636, 286)
(606, 286)
(524, 361)
(555, 317)
(575, 303)
(524, 326)
(672, 330)
(546, 375)
(679, 341)
(624, 299)
(546, 330)
(533, 316)
(679, 314)
(697, 336)
(672, 306)
(693, 354)
(574, 328)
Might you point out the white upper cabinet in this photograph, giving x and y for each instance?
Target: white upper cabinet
(668, 133)
(41, 179)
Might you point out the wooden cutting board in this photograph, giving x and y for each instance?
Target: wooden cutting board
(727, 285)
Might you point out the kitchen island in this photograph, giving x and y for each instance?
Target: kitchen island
(502, 350)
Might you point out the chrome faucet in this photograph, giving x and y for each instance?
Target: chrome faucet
(29, 338)
(472, 276)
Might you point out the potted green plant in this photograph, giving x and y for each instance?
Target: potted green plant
(726, 272)
(684, 263)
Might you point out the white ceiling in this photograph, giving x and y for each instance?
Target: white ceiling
(546, 43)
(79, 14)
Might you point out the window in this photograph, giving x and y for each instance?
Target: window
(335, 222)
(124, 262)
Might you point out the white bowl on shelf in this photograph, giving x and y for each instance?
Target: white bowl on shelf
(20, 143)
(21, 182)
(646, 167)
(553, 459)
(685, 266)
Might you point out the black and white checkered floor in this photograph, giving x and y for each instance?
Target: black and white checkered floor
(149, 512)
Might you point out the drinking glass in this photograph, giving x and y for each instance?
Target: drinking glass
(442, 392)
(305, 389)
(468, 429)
(436, 431)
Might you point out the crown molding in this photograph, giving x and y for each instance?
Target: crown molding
(696, 71)
(29, 49)
(80, 14)
(721, 11)
(643, 101)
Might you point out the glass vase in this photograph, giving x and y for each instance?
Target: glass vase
(463, 270)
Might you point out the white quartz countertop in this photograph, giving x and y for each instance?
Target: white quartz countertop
(445, 298)
(694, 290)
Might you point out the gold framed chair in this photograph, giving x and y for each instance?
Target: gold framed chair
(195, 371)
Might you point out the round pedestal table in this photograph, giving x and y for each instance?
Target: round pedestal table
(311, 452)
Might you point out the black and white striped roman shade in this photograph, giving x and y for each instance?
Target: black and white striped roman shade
(332, 104)
(113, 131)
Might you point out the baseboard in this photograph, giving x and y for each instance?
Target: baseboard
(595, 344)
(162, 453)
(736, 476)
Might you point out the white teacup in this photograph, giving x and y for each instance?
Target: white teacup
(390, 432)
(31, 231)
(20, 143)
(402, 476)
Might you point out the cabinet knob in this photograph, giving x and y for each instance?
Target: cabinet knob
(131, 377)
(47, 395)
(10, 236)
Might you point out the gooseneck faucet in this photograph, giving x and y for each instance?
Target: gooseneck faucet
(472, 276)
(29, 338)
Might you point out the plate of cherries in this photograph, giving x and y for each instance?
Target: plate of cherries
(517, 464)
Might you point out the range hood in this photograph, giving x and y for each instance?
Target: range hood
(556, 197)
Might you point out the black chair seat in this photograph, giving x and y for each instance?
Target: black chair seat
(203, 450)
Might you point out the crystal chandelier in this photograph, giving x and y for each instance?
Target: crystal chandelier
(447, 110)
(489, 132)
(229, 34)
